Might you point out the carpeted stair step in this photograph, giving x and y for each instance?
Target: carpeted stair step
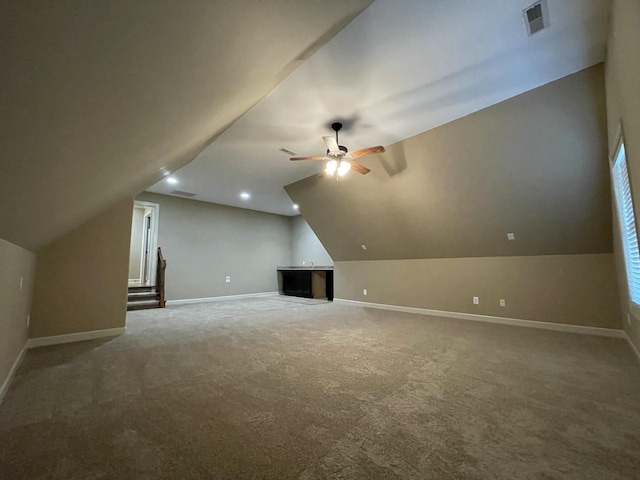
(143, 304)
(136, 296)
(140, 298)
(150, 288)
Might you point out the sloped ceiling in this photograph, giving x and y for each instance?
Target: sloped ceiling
(399, 69)
(534, 165)
(99, 99)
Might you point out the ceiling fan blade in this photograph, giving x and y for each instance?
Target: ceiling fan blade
(306, 158)
(367, 151)
(331, 144)
(359, 168)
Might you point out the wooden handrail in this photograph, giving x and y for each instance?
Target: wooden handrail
(162, 266)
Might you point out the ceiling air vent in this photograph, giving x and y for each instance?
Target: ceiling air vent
(180, 193)
(536, 17)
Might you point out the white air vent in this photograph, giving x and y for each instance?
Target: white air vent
(180, 193)
(536, 17)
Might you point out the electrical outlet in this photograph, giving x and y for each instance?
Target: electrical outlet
(503, 303)
(364, 291)
(227, 279)
(476, 300)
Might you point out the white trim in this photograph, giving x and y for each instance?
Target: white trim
(155, 219)
(186, 301)
(618, 139)
(12, 372)
(561, 327)
(148, 212)
(74, 337)
(633, 347)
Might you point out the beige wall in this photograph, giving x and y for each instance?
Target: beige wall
(623, 106)
(305, 245)
(534, 165)
(569, 289)
(81, 279)
(204, 242)
(15, 302)
(435, 211)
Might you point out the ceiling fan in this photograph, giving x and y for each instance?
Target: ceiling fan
(339, 159)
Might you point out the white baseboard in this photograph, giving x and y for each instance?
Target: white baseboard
(633, 347)
(186, 301)
(561, 327)
(12, 372)
(74, 337)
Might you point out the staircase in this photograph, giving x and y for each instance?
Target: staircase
(141, 298)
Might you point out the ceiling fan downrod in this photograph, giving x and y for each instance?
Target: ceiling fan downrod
(337, 126)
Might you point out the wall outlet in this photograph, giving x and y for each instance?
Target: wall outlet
(364, 291)
(227, 279)
(476, 300)
(503, 303)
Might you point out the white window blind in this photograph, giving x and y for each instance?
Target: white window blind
(627, 222)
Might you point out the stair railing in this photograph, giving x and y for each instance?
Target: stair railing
(162, 266)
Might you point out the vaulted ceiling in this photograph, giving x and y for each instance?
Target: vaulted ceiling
(101, 99)
(399, 69)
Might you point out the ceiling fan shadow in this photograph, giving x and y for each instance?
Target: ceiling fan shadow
(347, 122)
(394, 160)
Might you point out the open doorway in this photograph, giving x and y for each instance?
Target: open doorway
(144, 244)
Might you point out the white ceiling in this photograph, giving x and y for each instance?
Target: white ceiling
(399, 69)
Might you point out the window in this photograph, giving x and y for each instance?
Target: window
(627, 221)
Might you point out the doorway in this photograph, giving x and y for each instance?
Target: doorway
(144, 244)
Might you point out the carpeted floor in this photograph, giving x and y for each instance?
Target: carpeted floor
(262, 388)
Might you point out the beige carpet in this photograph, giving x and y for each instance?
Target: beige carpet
(262, 388)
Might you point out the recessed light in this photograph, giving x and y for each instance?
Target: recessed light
(172, 180)
(245, 195)
(296, 206)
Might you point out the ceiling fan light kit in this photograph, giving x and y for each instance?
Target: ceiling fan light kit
(340, 168)
(339, 159)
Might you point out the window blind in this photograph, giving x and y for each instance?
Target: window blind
(626, 217)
